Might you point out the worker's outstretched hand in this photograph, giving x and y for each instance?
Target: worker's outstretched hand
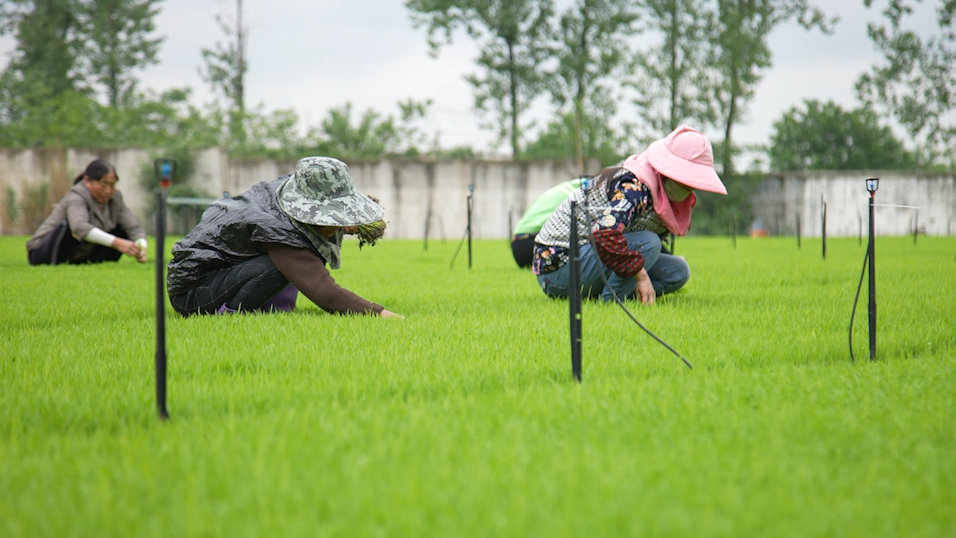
(645, 289)
(129, 248)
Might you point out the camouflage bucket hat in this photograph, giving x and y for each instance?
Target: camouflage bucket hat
(321, 192)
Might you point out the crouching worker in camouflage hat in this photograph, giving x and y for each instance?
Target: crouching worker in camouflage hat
(252, 251)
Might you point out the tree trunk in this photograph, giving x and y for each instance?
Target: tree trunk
(239, 114)
(728, 158)
(674, 77)
(580, 93)
(514, 99)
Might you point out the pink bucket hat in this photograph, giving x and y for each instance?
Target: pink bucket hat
(687, 157)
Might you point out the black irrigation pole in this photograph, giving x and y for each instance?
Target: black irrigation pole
(915, 226)
(428, 219)
(165, 169)
(871, 186)
(869, 261)
(798, 230)
(824, 226)
(733, 228)
(510, 225)
(470, 204)
(574, 296)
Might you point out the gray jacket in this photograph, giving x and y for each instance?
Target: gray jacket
(228, 233)
(82, 213)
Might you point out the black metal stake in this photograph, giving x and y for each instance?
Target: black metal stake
(165, 170)
(510, 226)
(733, 228)
(160, 304)
(871, 311)
(915, 226)
(428, 219)
(798, 230)
(824, 227)
(467, 236)
(471, 203)
(574, 296)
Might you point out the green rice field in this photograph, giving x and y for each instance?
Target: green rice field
(463, 419)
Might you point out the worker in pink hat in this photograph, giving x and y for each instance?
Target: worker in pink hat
(627, 209)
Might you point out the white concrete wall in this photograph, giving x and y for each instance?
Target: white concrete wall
(780, 198)
(412, 190)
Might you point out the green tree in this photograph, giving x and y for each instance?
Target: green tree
(917, 84)
(372, 137)
(271, 134)
(117, 41)
(591, 47)
(48, 42)
(45, 92)
(742, 54)
(165, 120)
(823, 136)
(673, 79)
(31, 115)
(565, 134)
(410, 136)
(226, 69)
(40, 91)
(514, 45)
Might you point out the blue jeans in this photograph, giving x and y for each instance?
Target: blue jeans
(668, 273)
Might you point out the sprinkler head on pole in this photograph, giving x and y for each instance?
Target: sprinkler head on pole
(165, 170)
(872, 184)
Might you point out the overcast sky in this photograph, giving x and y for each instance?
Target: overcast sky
(311, 55)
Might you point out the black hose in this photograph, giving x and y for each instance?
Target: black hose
(618, 299)
(866, 258)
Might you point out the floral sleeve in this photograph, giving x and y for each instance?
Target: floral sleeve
(629, 198)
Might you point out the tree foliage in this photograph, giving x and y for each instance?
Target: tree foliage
(823, 136)
(225, 70)
(64, 49)
(374, 135)
(917, 83)
(591, 47)
(49, 40)
(741, 54)
(673, 79)
(514, 45)
(118, 42)
(598, 140)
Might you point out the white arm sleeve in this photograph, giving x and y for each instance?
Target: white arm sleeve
(99, 237)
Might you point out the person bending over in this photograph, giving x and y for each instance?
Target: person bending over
(255, 251)
(522, 240)
(628, 209)
(91, 224)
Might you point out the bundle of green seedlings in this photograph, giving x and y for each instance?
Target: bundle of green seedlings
(371, 232)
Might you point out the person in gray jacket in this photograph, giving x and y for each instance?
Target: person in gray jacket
(249, 251)
(91, 224)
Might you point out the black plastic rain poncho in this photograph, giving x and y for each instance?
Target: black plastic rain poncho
(228, 233)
